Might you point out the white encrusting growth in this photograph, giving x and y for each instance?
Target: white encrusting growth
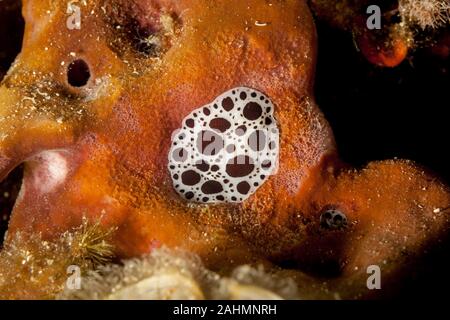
(225, 150)
(50, 171)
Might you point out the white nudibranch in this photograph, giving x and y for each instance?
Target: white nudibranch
(225, 150)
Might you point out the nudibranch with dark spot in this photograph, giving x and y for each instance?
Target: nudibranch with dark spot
(91, 114)
(225, 150)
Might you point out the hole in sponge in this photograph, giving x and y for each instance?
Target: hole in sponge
(333, 219)
(147, 30)
(78, 73)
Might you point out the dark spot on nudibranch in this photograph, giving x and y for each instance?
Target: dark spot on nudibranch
(243, 187)
(272, 145)
(240, 166)
(190, 123)
(202, 166)
(228, 104)
(212, 187)
(190, 178)
(241, 130)
(252, 111)
(220, 124)
(266, 164)
(189, 195)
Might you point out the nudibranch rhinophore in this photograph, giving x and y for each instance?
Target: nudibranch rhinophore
(102, 114)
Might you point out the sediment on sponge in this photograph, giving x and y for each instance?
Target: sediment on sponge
(31, 267)
(177, 274)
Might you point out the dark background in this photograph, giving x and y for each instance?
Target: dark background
(381, 113)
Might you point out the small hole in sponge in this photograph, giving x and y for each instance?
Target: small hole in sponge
(333, 219)
(78, 73)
